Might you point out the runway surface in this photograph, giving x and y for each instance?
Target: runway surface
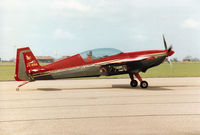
(170, 106)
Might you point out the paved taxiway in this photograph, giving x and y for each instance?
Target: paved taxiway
(101, 107)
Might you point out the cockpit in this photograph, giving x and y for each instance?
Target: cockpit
(95, 54)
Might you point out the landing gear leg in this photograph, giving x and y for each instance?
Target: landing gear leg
(133, 82)
(143, 84)
(17, 89)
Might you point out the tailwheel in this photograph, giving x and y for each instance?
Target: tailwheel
(144, 84)
(133, 83)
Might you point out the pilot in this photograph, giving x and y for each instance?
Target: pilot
(89, 56)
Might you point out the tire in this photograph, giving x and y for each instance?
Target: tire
(133, 83)
(144, 84)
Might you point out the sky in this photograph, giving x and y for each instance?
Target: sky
(72, 26)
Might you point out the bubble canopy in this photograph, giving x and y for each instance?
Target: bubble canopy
(99, 53)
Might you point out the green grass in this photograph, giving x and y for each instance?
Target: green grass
(177, 70)
(187, 69)
(181, 69)
(7, 72)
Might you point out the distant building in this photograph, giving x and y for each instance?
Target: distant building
(45, 59)
(186, 60)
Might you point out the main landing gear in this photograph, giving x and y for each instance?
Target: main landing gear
(134, 83)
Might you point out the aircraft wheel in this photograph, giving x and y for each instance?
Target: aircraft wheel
(144, 84)
(133, 83)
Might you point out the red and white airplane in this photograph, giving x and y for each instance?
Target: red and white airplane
(91, 63)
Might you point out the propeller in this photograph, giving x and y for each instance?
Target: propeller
(168, 51)
(165, 44)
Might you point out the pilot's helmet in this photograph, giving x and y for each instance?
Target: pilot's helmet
(89, 53)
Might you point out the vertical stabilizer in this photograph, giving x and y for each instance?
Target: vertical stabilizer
(25, 63)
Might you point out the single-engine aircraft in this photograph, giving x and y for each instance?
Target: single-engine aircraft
(91, 63)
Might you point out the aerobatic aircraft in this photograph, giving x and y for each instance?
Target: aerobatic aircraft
(91, 63)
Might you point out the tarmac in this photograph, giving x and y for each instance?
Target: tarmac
(170, 106)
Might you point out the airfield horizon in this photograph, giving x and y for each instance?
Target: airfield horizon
(178, 69)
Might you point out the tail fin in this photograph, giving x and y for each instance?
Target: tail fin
(25, 63)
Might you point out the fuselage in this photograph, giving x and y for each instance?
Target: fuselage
(77, 66)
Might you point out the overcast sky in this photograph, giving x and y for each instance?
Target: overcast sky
(73, 26)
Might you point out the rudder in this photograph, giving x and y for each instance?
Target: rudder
(25, 63)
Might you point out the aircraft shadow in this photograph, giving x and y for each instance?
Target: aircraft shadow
(115, 86)
(85, 88)
(150, 88)
(49, 89)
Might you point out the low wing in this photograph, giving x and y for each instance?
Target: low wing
(128, 60)
(119, 61)
(136, 59)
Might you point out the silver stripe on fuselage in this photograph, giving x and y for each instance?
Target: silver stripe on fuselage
(141, 57)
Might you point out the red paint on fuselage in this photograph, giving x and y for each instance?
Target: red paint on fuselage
(73, 61)
(77, 60)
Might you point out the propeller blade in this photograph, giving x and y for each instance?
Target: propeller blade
(165, 44)
(170, 48)
(169, 61)
(168, 51)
